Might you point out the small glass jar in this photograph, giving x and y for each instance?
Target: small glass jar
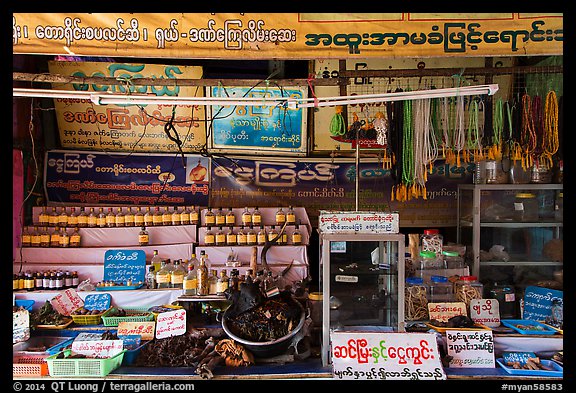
(468, 288)
(415, 299)
(315, 306)
(506, 297)
(453, 260)
(525, 207)
(441, 290)
(432, 240)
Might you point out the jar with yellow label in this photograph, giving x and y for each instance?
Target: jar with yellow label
(143, 237)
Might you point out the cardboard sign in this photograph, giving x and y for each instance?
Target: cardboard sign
(517, 357)
(121, 266)
(358, 222)
(98, 301)
(538, 302)
(385, 356)
(485, 312)
(470, 349)
(20, 326)
(171, 323)
(67, 301)
(98, 348)
(144, 329)
(444, 311)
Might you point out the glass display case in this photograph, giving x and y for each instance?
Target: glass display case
(362, 283)
(513, 232)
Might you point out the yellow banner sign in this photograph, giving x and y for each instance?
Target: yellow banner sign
(288, 35)
(133, 128)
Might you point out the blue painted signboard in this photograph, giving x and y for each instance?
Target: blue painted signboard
(97, 301)
(538, 302)
(266, 128)
(123, 265)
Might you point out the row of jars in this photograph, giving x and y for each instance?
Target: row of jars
(248, 236)
(218, 217)
(197, 277)
(50, 237)
(46, 280)
(119, 216)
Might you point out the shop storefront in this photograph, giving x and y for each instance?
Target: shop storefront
(288, 196)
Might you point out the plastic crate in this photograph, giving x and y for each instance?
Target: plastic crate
(82, 367)
(115, 320)
(131, 355)
(95, 319)
(25, 365)
(172, 307)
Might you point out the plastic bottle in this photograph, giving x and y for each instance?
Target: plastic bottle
(290, 216)
(220, 237)
(296, 235)
(202, 288)
(177, 275)
(280, 216)
(209, 237)
(110, 218)
(231, 237)
(120, 220)
(156, 261)
(163, 276)
(139, 217)
(166, 216)
(222, 282)
(209, 218)
(230, 218)
(151, 277)
(190, 280)
(256, 217)
(72, 218)
(176, 216)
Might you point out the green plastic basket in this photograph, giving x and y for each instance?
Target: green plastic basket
(82, 367)
(115, 320)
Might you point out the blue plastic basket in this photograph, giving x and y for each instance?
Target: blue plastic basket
(27, 304)
(58, 347)
(131, 355)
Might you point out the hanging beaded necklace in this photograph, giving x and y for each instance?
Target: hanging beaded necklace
(528, 134)
(551, 138)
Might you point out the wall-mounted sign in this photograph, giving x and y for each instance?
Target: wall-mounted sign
(325, 184)
(358, 222)
(121, 266)
(288, 35)
(91, 178)
(385, 356)
(470, 349)
(266, 129)
(129, 127)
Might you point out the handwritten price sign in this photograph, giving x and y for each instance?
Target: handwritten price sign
(171, 323)
(485, 312)
(471, 349)
(67, 301)
(99, 348)
(384, 356)
(444, 311)
(144, 329)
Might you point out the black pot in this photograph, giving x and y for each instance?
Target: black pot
(266, 349)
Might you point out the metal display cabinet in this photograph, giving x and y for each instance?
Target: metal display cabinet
(488, 215)
(362, 282)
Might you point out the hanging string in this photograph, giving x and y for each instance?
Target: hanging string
(395, 111)
(460, 132)
(551, 139)
(447, 146)
(495, 150)
(425, 145)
